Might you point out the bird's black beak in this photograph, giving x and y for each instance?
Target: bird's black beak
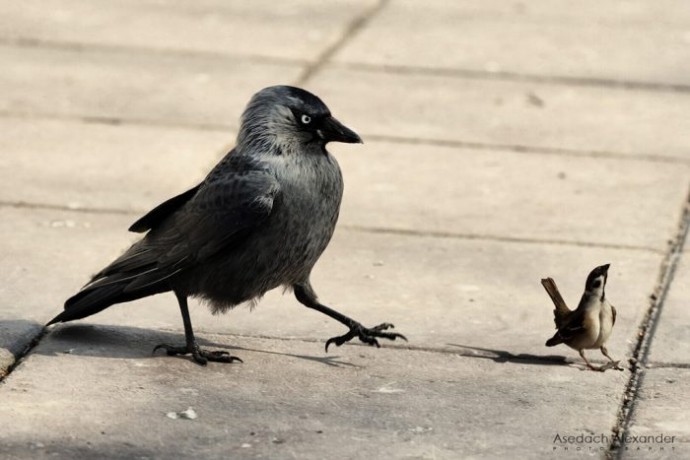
(604, 268)
(332, 130)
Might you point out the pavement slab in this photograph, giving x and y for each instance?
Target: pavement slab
(120, 168)
(671, 344)
(286, 401)
(661, 409)
(521, 114)
(505, 142)
(137, 87)
(295, 30)
(15, 337)
(487, 193)
(443, 293)
(470, 192)
(541, 38)
(663, 399)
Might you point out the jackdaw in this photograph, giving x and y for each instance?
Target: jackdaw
(259, 220)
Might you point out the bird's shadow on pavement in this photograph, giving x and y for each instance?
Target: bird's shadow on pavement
(503, 356)
(138, 343)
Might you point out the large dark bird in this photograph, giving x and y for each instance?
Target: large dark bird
(259, 220)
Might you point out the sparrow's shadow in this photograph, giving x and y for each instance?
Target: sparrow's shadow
(137, 343)
(502, 356)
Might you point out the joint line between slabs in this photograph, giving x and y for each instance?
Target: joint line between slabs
(512, 76)
(640, 355)
(123, 49)
(352, 228)
(533, 149)
(357, 24)
(458, 144)
(324, 58)
(505, 239)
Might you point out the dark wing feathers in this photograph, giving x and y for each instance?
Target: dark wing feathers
(573, 323)
(184, 231)
(219, 212)
(163, 210)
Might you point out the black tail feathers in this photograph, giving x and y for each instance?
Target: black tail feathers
(88, 302)
(95, 298)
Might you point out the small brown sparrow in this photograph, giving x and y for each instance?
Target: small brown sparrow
(590, 324)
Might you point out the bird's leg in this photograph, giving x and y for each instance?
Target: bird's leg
(613, 364)
(200, 355)
(594, 368)
(307, 297)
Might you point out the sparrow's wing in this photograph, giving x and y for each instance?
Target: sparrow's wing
(562, 312)
(613, 310)
(573, 325)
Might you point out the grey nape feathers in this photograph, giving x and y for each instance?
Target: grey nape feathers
(259, 220)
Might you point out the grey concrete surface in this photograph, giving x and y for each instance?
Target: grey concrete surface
(664, 398)
(505, 142)
(531, 115)
(457, 191)
(295, 30)
(15, 337)
(662, 409)
(539, 38)
(452, 282)
(147, 163)
(364, 403)
(672, 341)
(95, 83)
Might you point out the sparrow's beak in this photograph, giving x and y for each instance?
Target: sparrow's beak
(332, 130)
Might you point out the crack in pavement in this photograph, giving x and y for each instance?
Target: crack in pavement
(474, 74)
(109, 120)
(82, 47)
(312, 66)
(357, 24)
(534, 149)
(640, 356)
(358, 228)
(500, 238)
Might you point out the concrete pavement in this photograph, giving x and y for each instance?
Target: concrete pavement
(504, 142)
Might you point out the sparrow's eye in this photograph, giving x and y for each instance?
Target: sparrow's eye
(305, 119)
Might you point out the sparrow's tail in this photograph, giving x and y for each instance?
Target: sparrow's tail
(553, 341)
(561, 313)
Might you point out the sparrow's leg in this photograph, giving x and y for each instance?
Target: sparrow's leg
(200, 355)
(307, 297)
(613, 364)
(594, 368)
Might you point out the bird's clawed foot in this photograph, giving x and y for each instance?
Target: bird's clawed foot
(200, 355)
(612, 365)
(366, 335)
(595, 368)
(604, 367)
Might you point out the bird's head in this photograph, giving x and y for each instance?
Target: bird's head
(285, 119)
(596, 281)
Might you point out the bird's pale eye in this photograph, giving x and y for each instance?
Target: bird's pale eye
(306, 119)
